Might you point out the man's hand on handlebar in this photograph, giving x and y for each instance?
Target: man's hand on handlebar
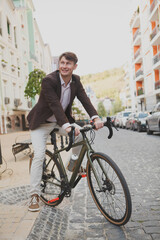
(98, 123)
(77, 132)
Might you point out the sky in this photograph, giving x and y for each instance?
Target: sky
(96, 30)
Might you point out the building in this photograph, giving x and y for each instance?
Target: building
(145, 33)
(21, 51)
(126, 95)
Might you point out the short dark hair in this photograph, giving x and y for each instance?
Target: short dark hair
(69, 56)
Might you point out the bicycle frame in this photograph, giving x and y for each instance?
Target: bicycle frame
(86, 148)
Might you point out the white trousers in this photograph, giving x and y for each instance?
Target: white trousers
(39, 138)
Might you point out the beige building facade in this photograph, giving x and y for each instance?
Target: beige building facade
(21, 51)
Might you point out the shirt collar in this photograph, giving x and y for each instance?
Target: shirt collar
(62, 81)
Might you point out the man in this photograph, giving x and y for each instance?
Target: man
(53, 110)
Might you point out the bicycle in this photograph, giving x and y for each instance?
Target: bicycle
(107, 184)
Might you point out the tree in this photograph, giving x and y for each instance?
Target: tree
(117, 106)
(101, 110)
(33, 86)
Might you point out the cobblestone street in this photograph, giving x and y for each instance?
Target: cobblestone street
(77, 217)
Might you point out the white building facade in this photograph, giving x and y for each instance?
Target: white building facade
(145, 54)
(21, 51)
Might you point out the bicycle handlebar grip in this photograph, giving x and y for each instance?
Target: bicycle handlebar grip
(71, 135)
(108, 124)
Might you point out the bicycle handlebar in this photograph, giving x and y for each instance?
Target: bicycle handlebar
(71, 134)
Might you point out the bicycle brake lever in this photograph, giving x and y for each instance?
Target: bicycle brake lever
(114, 126)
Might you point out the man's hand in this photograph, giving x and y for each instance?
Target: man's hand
(77, 132)
(98, 123)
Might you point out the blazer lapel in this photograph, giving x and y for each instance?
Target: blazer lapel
(73, 90)
(59, 86)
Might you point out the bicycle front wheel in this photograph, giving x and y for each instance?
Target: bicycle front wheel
(51, 184)
(113, 200)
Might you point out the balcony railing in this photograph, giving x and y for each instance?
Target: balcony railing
(154, 3)
(156, 58)
(139, 72)
(137, 53)
(140, 91)
(154, 32)
(157, 85)
(136, 34)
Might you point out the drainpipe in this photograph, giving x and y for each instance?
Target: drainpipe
(0, 155)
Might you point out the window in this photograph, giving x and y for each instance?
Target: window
(8, 27)
(17, 121)
(15, 37)
(0, 24)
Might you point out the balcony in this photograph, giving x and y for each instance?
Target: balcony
(156, 61)
(138, 56)
(155, 36)
(135, 22)
(13, 68)
(137, 37)
(139, 74)
(154, 10)
(140, 91)
(157, 85)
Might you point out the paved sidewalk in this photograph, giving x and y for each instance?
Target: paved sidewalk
(16, 221)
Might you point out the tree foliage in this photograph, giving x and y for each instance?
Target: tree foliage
(33, 86)
(117, 106)
(101, 110)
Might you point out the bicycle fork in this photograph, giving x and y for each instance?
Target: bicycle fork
(100, 185)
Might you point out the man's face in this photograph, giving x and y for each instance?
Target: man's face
(66, 67)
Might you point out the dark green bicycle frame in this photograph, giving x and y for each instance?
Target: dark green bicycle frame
(86, 148)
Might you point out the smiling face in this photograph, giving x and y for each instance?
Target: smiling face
(66, 67)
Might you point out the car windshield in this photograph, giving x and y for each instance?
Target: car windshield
(126, 114)
(143, 115)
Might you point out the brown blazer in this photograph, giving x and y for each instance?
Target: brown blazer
(49, 101)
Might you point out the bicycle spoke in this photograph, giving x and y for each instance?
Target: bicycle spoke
(111, 198)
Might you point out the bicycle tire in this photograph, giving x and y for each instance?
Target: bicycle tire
(51, 184)
(115, 194)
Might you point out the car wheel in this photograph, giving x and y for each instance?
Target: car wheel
(139, 128)
(149, 132)
(133, 128)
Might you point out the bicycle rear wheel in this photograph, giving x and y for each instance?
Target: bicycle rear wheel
(114, 200)
(51, 184)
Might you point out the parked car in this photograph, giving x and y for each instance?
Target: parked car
(123, 118)
(153, 120)
(117, 119)
(139, 121)
(129, 121)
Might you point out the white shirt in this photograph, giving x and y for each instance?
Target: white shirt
(65, 100)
